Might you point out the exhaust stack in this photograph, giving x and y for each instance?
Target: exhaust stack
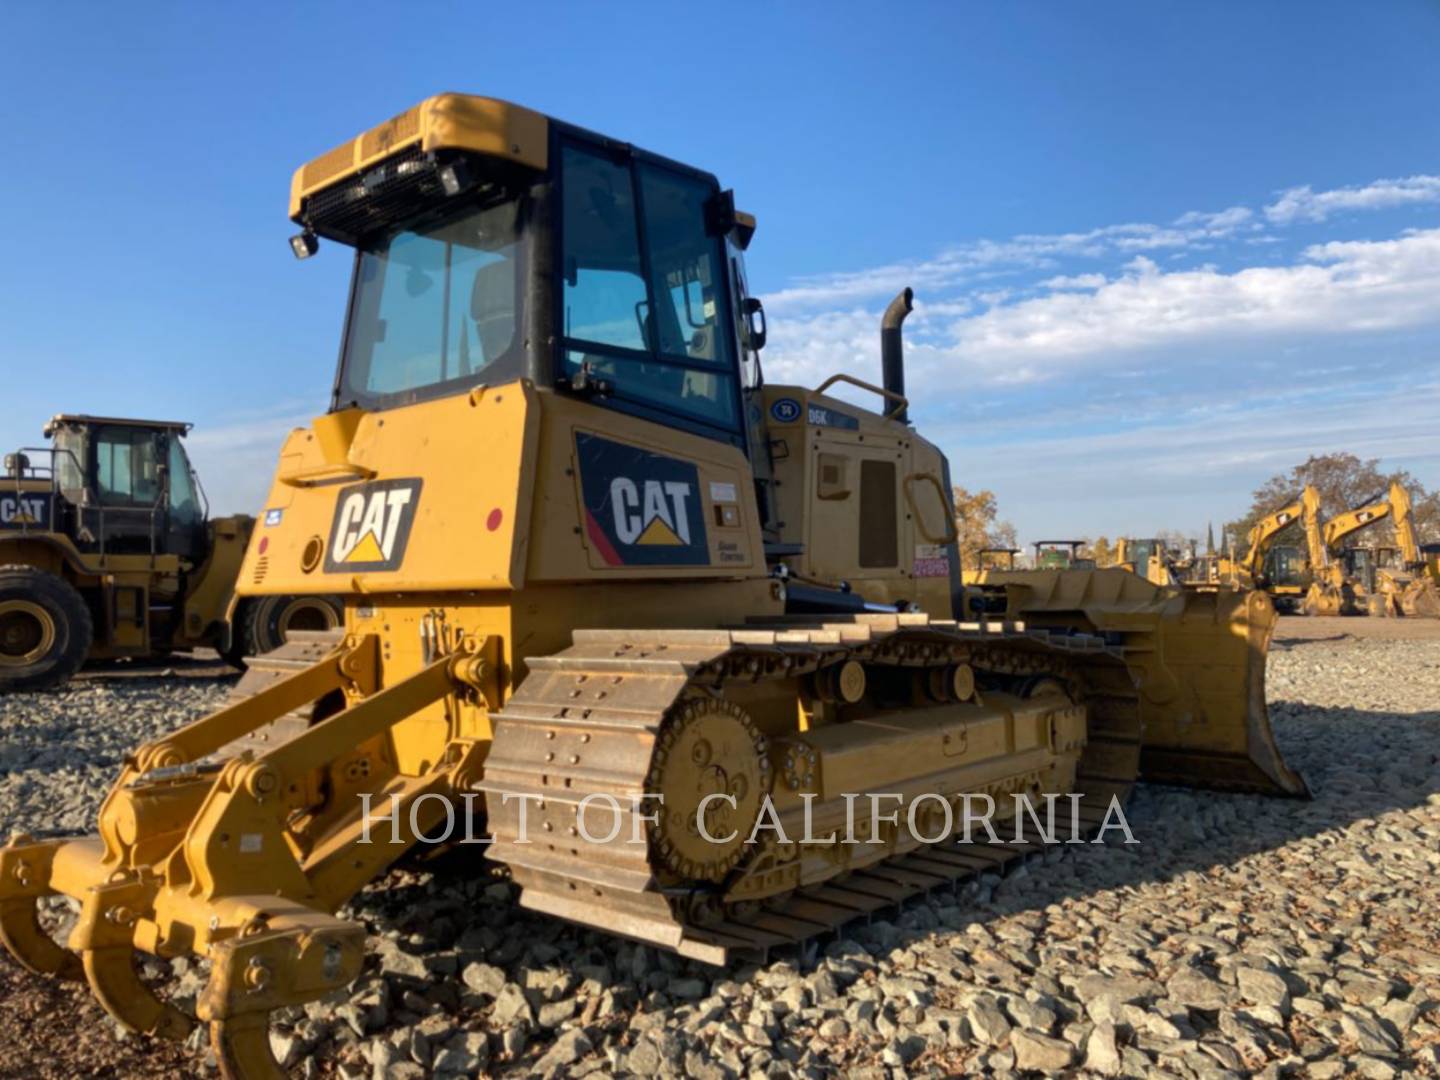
(892, 346)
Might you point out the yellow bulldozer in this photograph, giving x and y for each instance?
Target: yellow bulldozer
(631, 599)
(107, 551)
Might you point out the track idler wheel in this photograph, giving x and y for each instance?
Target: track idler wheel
(116, 985)
(27, 942)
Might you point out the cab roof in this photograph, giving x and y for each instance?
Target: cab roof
(446, 121)
(60, 420)
(443, 122)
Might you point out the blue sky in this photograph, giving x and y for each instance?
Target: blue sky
(1161, 251)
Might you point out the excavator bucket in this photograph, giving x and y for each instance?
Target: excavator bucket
(1197, 658)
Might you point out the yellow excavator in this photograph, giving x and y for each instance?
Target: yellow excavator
(630, 598)
(1354, 583)
(1280, 570)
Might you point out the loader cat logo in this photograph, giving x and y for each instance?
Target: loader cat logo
(22, 511)
(372, 525)
(641, 508)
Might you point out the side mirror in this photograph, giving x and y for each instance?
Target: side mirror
(753, 308)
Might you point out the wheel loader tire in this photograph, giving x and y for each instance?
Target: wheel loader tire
(266, 619)
(45, 629)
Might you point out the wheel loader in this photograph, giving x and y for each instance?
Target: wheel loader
(107, 550)
(630, 598)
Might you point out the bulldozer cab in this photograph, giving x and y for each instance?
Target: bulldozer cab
(628, 262)
(119, 486)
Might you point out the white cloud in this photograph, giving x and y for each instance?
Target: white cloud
(1347, 287)
(1223, 222)
(1075, 281)
(1303, 204)
(967, 263)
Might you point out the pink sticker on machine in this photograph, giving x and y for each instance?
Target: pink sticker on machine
(931, 560)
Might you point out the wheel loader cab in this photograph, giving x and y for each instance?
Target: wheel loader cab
(126, 486)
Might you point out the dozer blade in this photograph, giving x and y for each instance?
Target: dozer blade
(1197, 659)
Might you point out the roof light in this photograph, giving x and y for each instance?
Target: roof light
(304, 244)
(454, 178)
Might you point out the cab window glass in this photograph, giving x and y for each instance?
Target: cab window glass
(127, 470)
(436, 305)
(605, 297)
(705, 395)
(683, 262)
(184, 506)
(70, 463)
(643, 291)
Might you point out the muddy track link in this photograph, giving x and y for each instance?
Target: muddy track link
(591, 719)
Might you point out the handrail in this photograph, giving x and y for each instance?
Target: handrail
(904, 402)
(89, 499)
(326, 473)
(952, 530)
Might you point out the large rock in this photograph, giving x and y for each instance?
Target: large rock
(987, 1022)
(1263, 988)
(1040, 1053)
(567, 1049)
(1197, 990)
(484, 978)
(1102, 1055)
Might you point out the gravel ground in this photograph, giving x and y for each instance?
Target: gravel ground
(1241, 936)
